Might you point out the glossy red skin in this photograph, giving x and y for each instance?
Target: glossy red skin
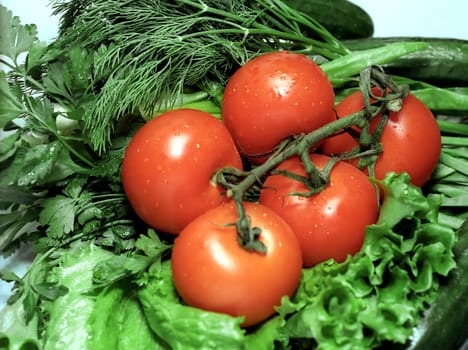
(168, 165)
(213, 272)
(273, 96)
(331, 223)
(411, 139)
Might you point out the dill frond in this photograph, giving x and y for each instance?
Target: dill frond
(148, 51)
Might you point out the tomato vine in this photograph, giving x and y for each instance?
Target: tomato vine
(389, 100)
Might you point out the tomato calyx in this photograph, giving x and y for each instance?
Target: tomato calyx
(315, 181)
(388, 99)
(248, 236)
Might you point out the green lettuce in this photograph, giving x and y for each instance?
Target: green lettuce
(185, 327)
(379, 294)
(375, 297)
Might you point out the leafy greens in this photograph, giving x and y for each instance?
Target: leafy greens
(101, 279)
(376, 296)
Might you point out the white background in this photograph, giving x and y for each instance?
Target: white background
(428, 18)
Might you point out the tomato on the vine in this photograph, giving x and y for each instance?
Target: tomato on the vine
(273, 96)
(168, 167)
(411, 139)
(212, 271)
(330, 223)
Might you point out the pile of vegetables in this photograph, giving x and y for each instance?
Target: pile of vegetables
(140, 159)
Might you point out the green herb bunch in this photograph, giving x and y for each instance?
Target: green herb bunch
(150, 52)
(102, 279)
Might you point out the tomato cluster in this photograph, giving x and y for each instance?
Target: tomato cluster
(171, 166)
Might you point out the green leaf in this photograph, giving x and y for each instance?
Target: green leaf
(379, 294)
(15, 227)
(67, 327)
(119, 267)
(11, 106)
(9, 276)
(8, 145)
(118, 322)
(42, 111)
(39, 165)
(70, 76)
(15, 332)
(50, 291)
(59, 215)
(401, 199)
(266, 335)
(151, 244)
(15, 38)
(185, 327)
(38, 54)
(42, 166)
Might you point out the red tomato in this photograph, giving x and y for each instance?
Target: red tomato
(328, 224)
(273, 96)
(411, 139)
(213, 272)
(168, 165)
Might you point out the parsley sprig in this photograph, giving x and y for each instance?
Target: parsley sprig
(49, 174)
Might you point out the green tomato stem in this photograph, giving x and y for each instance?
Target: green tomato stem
(300, 145)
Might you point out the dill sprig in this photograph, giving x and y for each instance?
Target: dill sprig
(149, 51)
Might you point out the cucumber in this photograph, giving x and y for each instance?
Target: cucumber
(445, 325)
(342, 18)
(443, 63)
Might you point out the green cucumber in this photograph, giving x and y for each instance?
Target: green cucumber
(445, 325)
(342, 18)
(443, 63)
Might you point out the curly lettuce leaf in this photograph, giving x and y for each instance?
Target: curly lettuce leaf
(67, 327)
(89, 318)
(182, 326)
(118, 322)
(379, 294)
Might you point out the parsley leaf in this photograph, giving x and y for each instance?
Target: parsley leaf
(11, 106)
(15, 38)
(59, 215)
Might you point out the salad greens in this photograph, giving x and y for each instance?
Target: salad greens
(101, 278)
(375, 296)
